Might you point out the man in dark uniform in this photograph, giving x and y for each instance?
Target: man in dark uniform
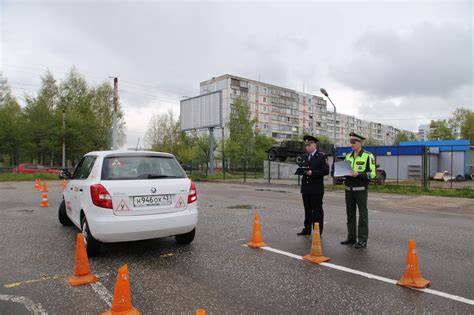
(312, 186)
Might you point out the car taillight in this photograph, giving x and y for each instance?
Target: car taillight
(193, 196)
(100, 196)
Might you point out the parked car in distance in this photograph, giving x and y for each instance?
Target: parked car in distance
(120, 196)
(35, 168)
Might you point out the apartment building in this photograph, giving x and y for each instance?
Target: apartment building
(284, 113)
(425, 130)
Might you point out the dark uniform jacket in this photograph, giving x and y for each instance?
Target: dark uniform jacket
(319, 166)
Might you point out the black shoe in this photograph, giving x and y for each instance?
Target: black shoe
(304, 232)
(348, 241)
(361, 244)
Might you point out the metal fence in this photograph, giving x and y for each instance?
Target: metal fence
(445, 167)
(421, 167)
(225, 170)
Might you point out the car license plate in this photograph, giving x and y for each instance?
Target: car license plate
(151, 201)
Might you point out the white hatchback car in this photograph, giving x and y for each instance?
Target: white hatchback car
(117, 196)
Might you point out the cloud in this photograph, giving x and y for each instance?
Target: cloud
(426, 60)
(161, 51)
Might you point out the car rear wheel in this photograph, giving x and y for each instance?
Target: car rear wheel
(62, 215)
(272, 155)
(92, 245)
(185, 238)
(299, 159)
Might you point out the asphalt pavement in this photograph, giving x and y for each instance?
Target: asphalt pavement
(219, 273)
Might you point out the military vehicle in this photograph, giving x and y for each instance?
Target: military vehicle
(294, 150)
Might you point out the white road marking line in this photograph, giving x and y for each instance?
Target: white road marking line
(102, 292)
(375, 277)
(36, 309)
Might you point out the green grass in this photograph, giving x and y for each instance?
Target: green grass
(417, 190)
(19, 177)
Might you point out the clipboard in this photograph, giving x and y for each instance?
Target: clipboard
(342, 168)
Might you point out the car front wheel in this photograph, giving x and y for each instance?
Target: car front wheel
(185, 238)
(92, 245)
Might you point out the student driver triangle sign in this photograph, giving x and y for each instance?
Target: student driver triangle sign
(180, 203)
(122, 206)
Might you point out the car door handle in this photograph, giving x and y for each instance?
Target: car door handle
(80, 190)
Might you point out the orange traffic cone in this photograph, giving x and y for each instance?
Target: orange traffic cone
(412, 276)
(122, 303)
(201, 312)
(36, 184)
(316, 253)
(45, 186)
(257, 240)
(82, 272)
(40, 188)
(44, 196)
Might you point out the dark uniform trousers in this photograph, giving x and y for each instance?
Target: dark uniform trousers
(313, 211)
(359, 199)
(312, 190)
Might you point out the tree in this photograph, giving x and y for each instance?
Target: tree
(35, 133)
(164, 135)
(462, 118)
(11, 121)
(324, 139)
(201, 151)
(439, 131)
(467, 129)
(371, 141)
(262, 143)
(162, 132)
(241, 143)
(401, 137)
(42, 127)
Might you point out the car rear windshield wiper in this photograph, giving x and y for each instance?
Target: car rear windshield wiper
(153, 176)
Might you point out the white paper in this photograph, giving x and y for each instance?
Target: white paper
(342, 168)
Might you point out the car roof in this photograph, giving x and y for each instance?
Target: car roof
(128, 153)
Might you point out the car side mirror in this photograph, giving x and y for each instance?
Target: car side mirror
(65, 174)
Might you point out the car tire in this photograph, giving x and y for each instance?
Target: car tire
(381, 180)
(185, 238)
(62, 215)
(299, 159)
(92, 245)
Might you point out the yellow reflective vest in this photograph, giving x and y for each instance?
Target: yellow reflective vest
(364, 164)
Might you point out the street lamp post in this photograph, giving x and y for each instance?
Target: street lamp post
(325, 93)
(64, 139)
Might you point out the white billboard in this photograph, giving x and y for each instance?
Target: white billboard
(200, 112)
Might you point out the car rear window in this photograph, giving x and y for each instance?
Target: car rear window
(140, 167)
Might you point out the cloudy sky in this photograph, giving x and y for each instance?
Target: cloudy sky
(398, 62)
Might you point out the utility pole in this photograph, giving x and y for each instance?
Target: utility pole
(64, 138)
(114, 116)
